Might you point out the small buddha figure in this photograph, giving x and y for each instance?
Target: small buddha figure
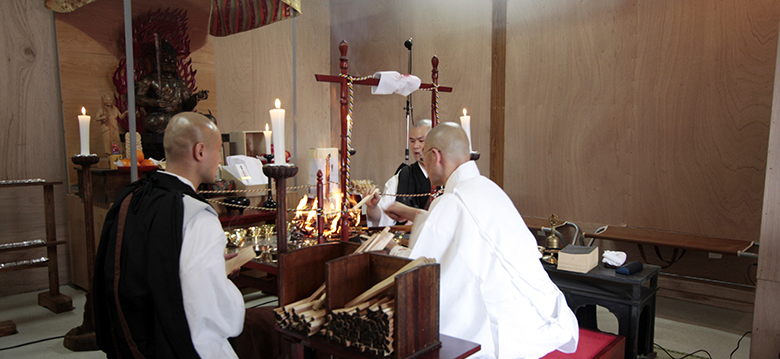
(164, 93)
(108, 116)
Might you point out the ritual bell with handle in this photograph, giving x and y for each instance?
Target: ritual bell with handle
(553, 242)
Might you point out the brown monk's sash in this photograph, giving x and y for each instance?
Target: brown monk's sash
(120, 230)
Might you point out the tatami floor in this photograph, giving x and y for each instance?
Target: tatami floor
(680, 326)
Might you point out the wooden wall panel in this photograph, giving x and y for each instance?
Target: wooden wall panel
(256, 67)
(651, 114)
(31, 141)
(458, 33)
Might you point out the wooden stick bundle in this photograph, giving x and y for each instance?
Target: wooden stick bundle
(367, 327)
(388, 282)
(307, 315)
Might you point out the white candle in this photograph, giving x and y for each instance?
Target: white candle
(84, 131)
(267, 138)
(277, 124)
(465, 122)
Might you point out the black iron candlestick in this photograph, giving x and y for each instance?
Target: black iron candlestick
(269, 202)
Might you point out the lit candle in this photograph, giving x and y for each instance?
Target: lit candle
(277, 124)
(84, 131)
(465, 122)
(267, 138)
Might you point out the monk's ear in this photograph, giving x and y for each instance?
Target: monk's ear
(198, 151)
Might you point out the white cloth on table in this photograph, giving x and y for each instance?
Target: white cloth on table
(494, 290)
(393, 82)
(614, 258)
(214, 307)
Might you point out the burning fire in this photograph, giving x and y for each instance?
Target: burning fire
(305, 218)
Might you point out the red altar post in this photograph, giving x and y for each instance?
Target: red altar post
(344, 80)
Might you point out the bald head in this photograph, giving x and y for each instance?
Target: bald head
(451, 141)
(184, 131)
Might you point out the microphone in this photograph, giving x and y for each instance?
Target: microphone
(408, 43)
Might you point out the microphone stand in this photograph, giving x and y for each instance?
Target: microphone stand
(408, 108)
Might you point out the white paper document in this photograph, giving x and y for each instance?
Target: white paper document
(248, 169)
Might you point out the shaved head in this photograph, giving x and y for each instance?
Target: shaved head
(192, 147)
(184, 130)
(451, 140)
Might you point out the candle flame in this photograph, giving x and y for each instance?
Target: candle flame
(278, 103)
(83, 110)
(266, 126)
(464, 112)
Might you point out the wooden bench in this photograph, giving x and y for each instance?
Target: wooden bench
(657, 238)
(676, 240)
(53, 299)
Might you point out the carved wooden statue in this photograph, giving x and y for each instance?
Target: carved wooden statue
(108, 116)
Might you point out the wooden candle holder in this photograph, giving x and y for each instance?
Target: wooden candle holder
(280, 173)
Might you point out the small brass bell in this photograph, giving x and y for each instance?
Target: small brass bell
(553, 242)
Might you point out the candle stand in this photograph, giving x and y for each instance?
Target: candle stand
(269, 202)
(281, 173)
(82, 338)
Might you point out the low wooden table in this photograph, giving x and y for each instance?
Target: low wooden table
(451, 348)
(625, 296)
(268, 284)
(250, 216)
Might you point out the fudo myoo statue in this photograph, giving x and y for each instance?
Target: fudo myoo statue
(164, 93)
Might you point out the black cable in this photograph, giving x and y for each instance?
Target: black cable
(262, 304)
(684, 356)
(738, 341)
(748, 273)
(33, 342)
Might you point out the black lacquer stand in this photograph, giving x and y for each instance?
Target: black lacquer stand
(269, 202)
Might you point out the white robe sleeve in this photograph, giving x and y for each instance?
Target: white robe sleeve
(214, 307)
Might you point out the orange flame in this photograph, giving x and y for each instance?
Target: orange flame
(306, 215)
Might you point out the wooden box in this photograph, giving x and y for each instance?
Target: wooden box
(250, 143)
(303, 270)
(416, 293)
(348, 275)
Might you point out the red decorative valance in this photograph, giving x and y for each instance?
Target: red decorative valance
(233, 16)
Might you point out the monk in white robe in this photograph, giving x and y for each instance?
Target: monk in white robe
(494, 290)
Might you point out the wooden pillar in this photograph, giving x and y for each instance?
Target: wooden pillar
(434, 82)
(498, 92)
(344, 64)
(320, 204)
(766, 327)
